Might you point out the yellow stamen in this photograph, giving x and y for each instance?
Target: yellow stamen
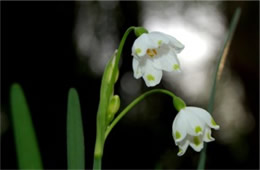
(151, 52)
(154, 51)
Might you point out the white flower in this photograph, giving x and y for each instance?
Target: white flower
(192, 126)
(153, 53)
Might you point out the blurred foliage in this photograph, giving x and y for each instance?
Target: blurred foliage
(75, 135)
(27, 150)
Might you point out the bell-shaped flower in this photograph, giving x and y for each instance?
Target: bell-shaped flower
(192, 126)
(153, 53)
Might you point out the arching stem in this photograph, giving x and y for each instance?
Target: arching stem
(131, 105)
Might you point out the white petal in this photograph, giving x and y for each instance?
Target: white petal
(179, 127)
(183, 147)
(195, 125)
(151, 76)
(137, 68)
(159, 38)
(205, 115)
(177, 45)
(167, 61)
(141, 45)
(207, 135)
(196, 143)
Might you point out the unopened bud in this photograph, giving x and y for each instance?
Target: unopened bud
(117, 75)
(111, 67)
(113, 107)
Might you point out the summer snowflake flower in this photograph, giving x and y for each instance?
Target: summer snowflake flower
(154, 52)
(192, 126)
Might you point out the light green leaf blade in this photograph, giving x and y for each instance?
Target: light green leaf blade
(28, 154)
(219, 68)
(75, 137)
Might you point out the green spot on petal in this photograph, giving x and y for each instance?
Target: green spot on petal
(150, 77)
(198, 129)
(208, 136)
(138, 50)
(177, 135)
(159, 42)
(213, 122)
(176, 67)
(196, 140)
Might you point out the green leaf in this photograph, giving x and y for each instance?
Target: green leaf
(75, 137)
(27, 149)
(220, 65)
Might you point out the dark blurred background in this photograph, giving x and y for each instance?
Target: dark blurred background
(49, 47)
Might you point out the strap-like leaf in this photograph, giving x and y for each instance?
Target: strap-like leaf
(75, 137)
(28, 154)
(219, 68)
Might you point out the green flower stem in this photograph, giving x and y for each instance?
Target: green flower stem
(97, 162)
(106, 91)
(131, 105)
(222, 55)
(122, 43)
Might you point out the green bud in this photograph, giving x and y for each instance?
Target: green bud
(140, 30)
(178, 103)
(113, 107)
(111, 67)
(117, 75)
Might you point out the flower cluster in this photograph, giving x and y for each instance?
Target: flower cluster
(192, 126)
(153, 53)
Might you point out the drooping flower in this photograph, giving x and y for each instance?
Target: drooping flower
(192, 126)
(153, 53)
